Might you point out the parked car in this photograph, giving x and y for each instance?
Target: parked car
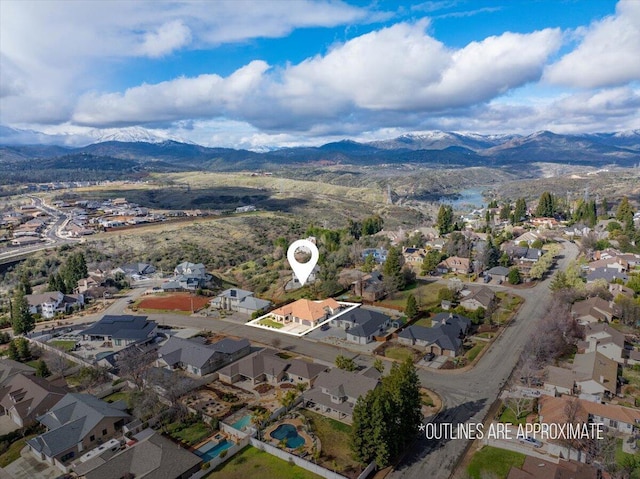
(429, 357)
(530, 441)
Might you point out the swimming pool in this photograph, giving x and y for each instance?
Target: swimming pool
(241, 423)
(212, 450)
(290, 434)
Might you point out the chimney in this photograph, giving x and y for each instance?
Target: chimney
(601, 379)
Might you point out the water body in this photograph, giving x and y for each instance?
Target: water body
(465, 198)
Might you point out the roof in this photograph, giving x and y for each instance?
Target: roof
(197, 269)
(446, 331)
(307, 309)
(9, 367)
(498, 271)
(195, 352)
(122, 327)
(484, 296)
(604, 333)
(535, 468)
(364, 322)
(597, 367)
(138, 268)
(596, 306)
(236, 293)
(38, 299)
(607, 274)
(552, 410)
(29, 396)
(346, 383)
(154, 457)
(305, 369)
(70, 420)
(561, 377)
(264, 361)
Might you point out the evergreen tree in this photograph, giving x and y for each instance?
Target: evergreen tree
(25, 285)
(42, 371)
(514, 276)
(372, 225)
(546, 205)
(392, 271)
(520, 211)
(624, 211)
(431, 262)
(369, 264)
(13, 351)
(23, 349)
(491, 254)
(505, 211)
(604, 208)
(411, 308)
(21, 319)
(445, 219)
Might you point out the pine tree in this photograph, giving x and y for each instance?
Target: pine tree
(546, 205)
(505, 211)
(445, 219)
(514, 276)
(21, 319)
(411, 308)
(25, 285)
(369, 264)
(13, 351)
(23, 349)
(42, 370)
(520, 211)
(392, 270)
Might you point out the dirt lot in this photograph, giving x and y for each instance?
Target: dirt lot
(174, 302)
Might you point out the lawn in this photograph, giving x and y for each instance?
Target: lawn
(13, 452)
(400, 353)
(252, 462)
(494, 461)
(120, 395)
(474, 351)
(620, 457)
(425, 293)
(270, 323)
(192, 434)
(63, 345)
(508, 416)
(426, 322)
(334, 437)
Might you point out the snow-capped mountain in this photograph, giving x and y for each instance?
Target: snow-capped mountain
(440, 140)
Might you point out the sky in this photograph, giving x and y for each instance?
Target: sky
(274, 73)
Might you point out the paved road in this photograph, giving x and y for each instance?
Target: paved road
(468, 395)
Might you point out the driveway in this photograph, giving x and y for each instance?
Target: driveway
(28, 467)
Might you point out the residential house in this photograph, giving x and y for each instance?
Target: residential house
(615, 263)
(595, 309)
(478, 297)
(239, 300)
(413, 255)
(134, 270)
(196, 357)
(499, 273)
(295, 281)
(443, 338)
(187, 276)
(52, 303)
(608, 274)
(151, 456)
(523, 257)
(370, 287)
(25, 241)
(335, 393)
(559, 380)
(528, 237)
(536, 468)
(301, 371)
(307, 312)
(25, 397)
(552, 410)
(9, 368)
(606, 340)
(454, 264)
(378, 254)
(76, 424)
(262, 366)
(362, 325)
(121, 330)
(596, 374)
(618, 289)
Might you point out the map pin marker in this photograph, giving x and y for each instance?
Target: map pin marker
(302, 270)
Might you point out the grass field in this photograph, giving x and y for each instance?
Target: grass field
(621, 456)
(63, 345)
(334, 437)
(426, 322)
(13, 452)
(508, 416)
(425, 293)
(120, 395)
(270, 323)
(192, 434)
(252, 462)
(474, 351)
(491, 460)
(400, 353)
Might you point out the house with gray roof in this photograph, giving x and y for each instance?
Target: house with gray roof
(25, 397)
(443, 338)
(197, 357)
(608, 274)
(152, 456)
(362, 325)
(76, 424)
(136, 269)
(240, 300)
(499, 273)
(9, 368)
(187, 277)
(336, 391)
(121, 330)
(478, 297)
(370, 287)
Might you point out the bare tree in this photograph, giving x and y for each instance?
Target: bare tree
(134, 363)
(58, 365)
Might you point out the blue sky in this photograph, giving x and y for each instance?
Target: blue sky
(255, 74)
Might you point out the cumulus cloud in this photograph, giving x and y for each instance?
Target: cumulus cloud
(167, 38)
(608, 53)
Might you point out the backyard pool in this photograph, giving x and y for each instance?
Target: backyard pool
(241, 423)
(289, 433)
(212, 449)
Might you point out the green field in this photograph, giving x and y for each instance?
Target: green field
(426, 295)
(491, 460)
(400, 353)
(270, 323)
(252, 462)
(192, 434)
(426, 322)
(63, 345)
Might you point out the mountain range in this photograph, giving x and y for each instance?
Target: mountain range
(136, 149)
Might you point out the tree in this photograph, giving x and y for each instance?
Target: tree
(343, 362)
(13, 351)
(392, 271)
(24, 352)
(505, 211)
(21, 319)
(378, 365)
(42, 371)
(369, 264)
(514, 276)
(288, 399)
(411, 307)
(520, 211)
(133, 363)
(91, 377)
(431, 261)
(58, 365)
(25, 285)
(372, 225)
(491, 254)
(546, 205)
(445, 223)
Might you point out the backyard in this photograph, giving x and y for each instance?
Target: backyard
(334, 439)
(252, 462)
(63, 345)
(426, 294)
(191, 434)
(491, 460)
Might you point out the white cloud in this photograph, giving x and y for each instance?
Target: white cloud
(608, 54)
(167, 38)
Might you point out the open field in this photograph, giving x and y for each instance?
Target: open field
(174, 302)
(491, 460)
(426, 294)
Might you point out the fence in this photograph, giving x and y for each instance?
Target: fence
(216, 461)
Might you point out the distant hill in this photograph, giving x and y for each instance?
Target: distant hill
(449, 149)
